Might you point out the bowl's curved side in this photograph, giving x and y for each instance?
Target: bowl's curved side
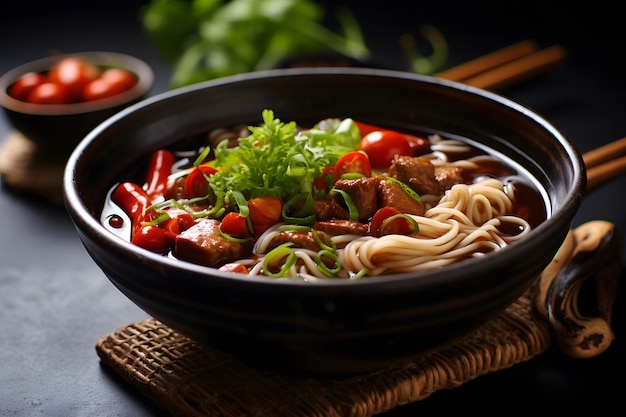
(338, 326)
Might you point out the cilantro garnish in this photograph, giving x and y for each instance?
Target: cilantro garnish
(279, 160)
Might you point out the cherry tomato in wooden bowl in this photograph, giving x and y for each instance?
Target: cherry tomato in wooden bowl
(51, 101)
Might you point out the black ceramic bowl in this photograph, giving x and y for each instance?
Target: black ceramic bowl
(57, 128)
(335, 326)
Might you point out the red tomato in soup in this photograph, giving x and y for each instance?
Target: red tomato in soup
(21, 88)
(49, 93)
(382, 145)
(196, 184)
(112, 81)
(234, 267)
(352, 163)
(382, 224)
(264, 212)
(265, 209)
(419, 145)
(234, 224)
(74, 73)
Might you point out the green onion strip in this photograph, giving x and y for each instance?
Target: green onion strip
(300, 217)
(276, 254)
(390, 219)
(353, 211)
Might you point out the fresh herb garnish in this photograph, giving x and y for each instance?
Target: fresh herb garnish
(278, 160)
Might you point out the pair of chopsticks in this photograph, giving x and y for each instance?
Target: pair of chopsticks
(522, 60)
(506, 66)
(605, 163)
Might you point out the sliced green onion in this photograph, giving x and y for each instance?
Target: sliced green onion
(352, 176)
(300, 216)
(231, 238)
(241, 202)
(323, 244)
(406, 188)
(297, 167)
(329, 272)
(411, 220)
(162, 217)
(276, 254)
(294, 228)
(202, 156)
(360, 274)
(353, 211)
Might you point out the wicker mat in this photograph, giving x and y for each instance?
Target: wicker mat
(191, 380)
(28, 170)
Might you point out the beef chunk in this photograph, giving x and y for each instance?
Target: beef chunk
(329, 209)
(202, 244)
(448, 176)
(423, 176)
(299, 239)
(364, 194)
(419, 173)
(394, 196)
(341, 227)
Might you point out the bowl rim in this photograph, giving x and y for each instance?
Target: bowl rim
(87, 222)
(144, 73)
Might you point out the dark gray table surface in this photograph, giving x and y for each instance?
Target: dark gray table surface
(55, 303)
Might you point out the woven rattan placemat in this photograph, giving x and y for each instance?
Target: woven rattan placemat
(191, 380)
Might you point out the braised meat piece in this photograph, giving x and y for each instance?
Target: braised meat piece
(393, 195)
(419, 173)
(329, 209)
(202, 244)
(341, 227)
(448, 176)
(423, 176)
(368, 195)
(364, 194)
(299, 239)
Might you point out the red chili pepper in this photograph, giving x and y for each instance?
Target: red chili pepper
(196, 184)
(179, 221)
(150, 237)
(159, 168)
(135, 202)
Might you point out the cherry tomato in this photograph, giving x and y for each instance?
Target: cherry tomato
(234, 224)
(352, 163)
(112, 81)
(234, 267)
(382, 145)
(49, 93)
(397, 226)
(21, 88)
(75, 73)
(419, 145)
(196, 184)
(365, 128)
(323, 183)
(265, 210)
(151, 238)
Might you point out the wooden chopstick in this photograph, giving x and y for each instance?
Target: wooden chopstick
(520, 61)
(506, 66)
(605, 163)
(487, 62)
